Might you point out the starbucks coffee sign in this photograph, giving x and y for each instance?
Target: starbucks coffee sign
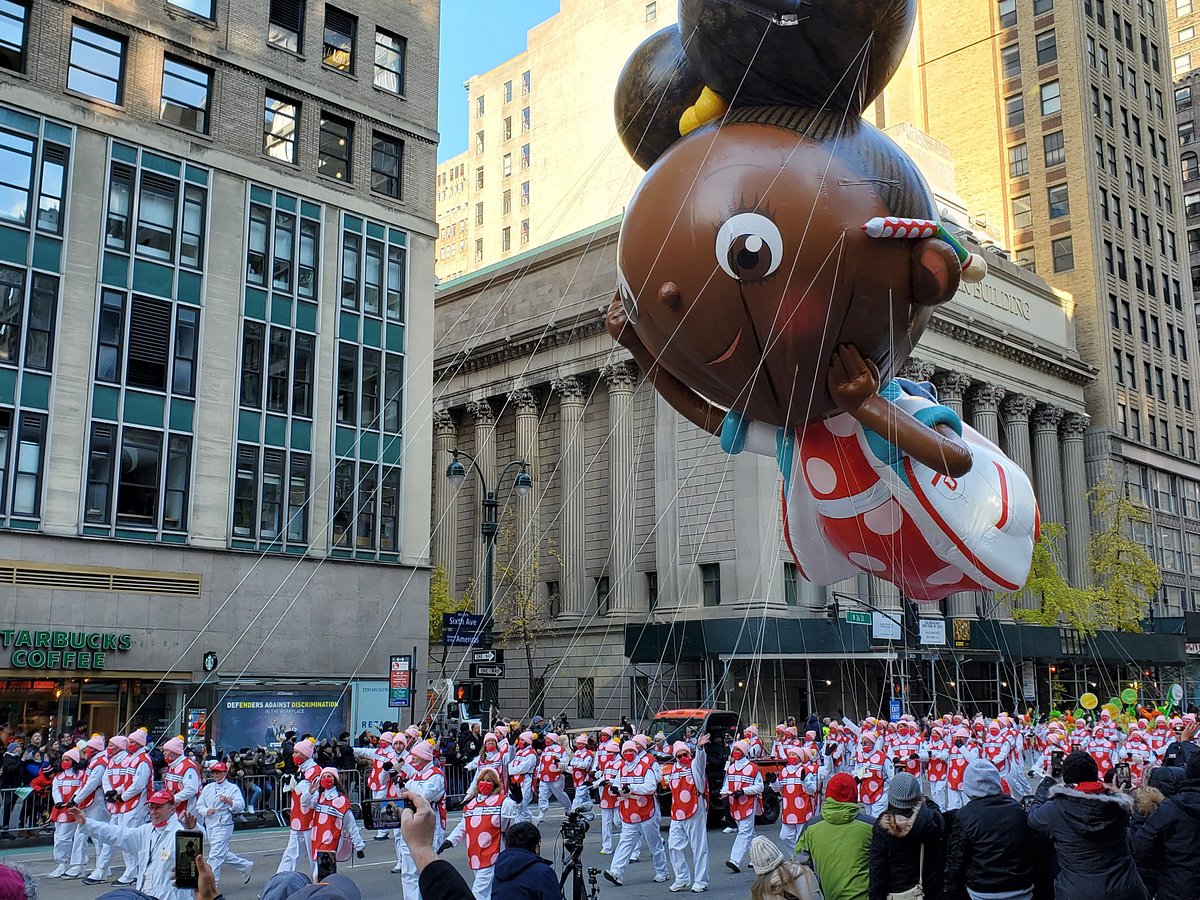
(88, 650)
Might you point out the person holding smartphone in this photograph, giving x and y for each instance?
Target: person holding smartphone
(218, 801)
(151, 844)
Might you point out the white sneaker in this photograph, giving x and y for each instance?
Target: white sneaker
(58, 872)
(730, 830)
(678, 886)
(613, 878)
(125, 879)
(699, 888)
(659, 879)
(74, 872)
(396, 869)
(249, 874)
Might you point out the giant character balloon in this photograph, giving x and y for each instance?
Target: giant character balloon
(776, 267)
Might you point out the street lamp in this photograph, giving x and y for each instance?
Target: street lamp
(456, 474)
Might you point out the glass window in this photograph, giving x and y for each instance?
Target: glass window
(525, 156)
(110, 337)
(347, 387)
(286, 24)
(393, 393)
(1064, 254)
(201, 8)
(710, 575)
(1191, 168)
(14, 29)
(1054, 149)
(310, 238)
(371, 384)
(525, 120)
(506, 129)
(185, 93)
(524, 232)
(302, 376)
(343, 503)
(284, 248)
(526, 84)
(156, 216)
(506, 203)
(279, 127)
(138, 478)
(372, 277)
(271, 512)
(1047, 47)
(97, 506)
(298, 481)
(16, 176)
(120, 190)
(390, 50)
(480, 106)
(175, 493)
(395, 283)
(387, 155)
(245, 491)
(1010, 61)
(350, 266)
(1060, 203)
(279, 357)
(27, 474)
(1022, 211)
(340, 30)
(97, 66)
(1051, 98)
(506, 238)
(507, 168)
(335, 151)
(368, 482)
(39, 329)
(524, 193)
(1014, 110)
(52, 188)
(389, 510)
(187, 326)
(253, 338)
(256, 250)
(508, 92)
(191, 234)
(1008, 13)
(1018, 160)
(479, 179)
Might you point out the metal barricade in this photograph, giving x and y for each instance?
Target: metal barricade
(264, 793)
(24, 813)
(458, 781)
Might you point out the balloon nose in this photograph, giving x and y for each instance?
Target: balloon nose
(669, 295)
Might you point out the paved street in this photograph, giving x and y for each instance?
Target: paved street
(375, 879)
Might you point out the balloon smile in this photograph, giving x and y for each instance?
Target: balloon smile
(724, 357)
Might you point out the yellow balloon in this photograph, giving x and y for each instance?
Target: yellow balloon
(1112, 710)
(1089, 701)
(709, 106)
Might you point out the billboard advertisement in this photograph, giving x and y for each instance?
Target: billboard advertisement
(371, 708)
(261, 718)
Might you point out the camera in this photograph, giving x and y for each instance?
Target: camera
(574, 829)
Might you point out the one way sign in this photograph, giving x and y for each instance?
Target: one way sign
(483, 670)
(487, 656)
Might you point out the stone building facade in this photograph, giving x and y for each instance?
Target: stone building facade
(216, 227)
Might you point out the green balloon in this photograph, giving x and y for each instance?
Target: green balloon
(1129, 695)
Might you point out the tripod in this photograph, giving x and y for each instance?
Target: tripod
(573, 868)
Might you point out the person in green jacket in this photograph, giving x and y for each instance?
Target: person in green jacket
(839, 843)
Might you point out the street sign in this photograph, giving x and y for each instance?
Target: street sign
(895, 711)
(400, 681)
(484, 670)
(933, 632)
(461, 621)
(456, 639)
(487, 656)
(858, 618)
(886, 626)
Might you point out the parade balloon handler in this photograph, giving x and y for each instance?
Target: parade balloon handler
(776, 267)
(334, 830)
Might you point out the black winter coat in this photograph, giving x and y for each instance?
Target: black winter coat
(1168, 843)
(895, 858)
(1090, 841)
(990, 848)
(521, 875)
(13, 775)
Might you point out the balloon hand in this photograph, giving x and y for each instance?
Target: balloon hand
(852, 379)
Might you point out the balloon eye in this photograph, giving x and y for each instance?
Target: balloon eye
(628, 301)
(749, 247)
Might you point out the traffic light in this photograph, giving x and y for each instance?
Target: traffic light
(469, 692)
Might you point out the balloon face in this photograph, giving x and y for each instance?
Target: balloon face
(743, 264)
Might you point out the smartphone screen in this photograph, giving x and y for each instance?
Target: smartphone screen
(1122, 776)
(188, 845)
(1056, 763)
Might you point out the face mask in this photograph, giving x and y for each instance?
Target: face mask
(629, 756)
(486, 787)
(326, 782)
(298, 759)
(737, 754)
(684, 760)
(67, 764)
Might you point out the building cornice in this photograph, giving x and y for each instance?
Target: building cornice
(1049, 359)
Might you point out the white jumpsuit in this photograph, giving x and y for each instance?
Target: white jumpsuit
(155, 846)
(218, 822)
(690, 834)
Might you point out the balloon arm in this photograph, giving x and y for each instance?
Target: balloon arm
(702, 413)
(940, 449)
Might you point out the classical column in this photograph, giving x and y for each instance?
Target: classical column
(445, 509)
(525, 408)
(950, 387)
(621, 378)
(573, 522)
(1075, 489)
(484, 419)
(1014, 412)
(917, 370)
(1047, 465)
(985, 410)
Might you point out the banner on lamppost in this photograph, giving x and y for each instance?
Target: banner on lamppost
(400, 681)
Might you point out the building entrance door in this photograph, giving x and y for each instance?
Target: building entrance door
(99, 716)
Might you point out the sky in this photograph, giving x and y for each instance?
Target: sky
(478, 35)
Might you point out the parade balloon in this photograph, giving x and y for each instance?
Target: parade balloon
(1089, 701)
(777, 266)
(1129, 696)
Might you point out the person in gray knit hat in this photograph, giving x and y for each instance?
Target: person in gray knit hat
(991, 851)
(906, 843)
